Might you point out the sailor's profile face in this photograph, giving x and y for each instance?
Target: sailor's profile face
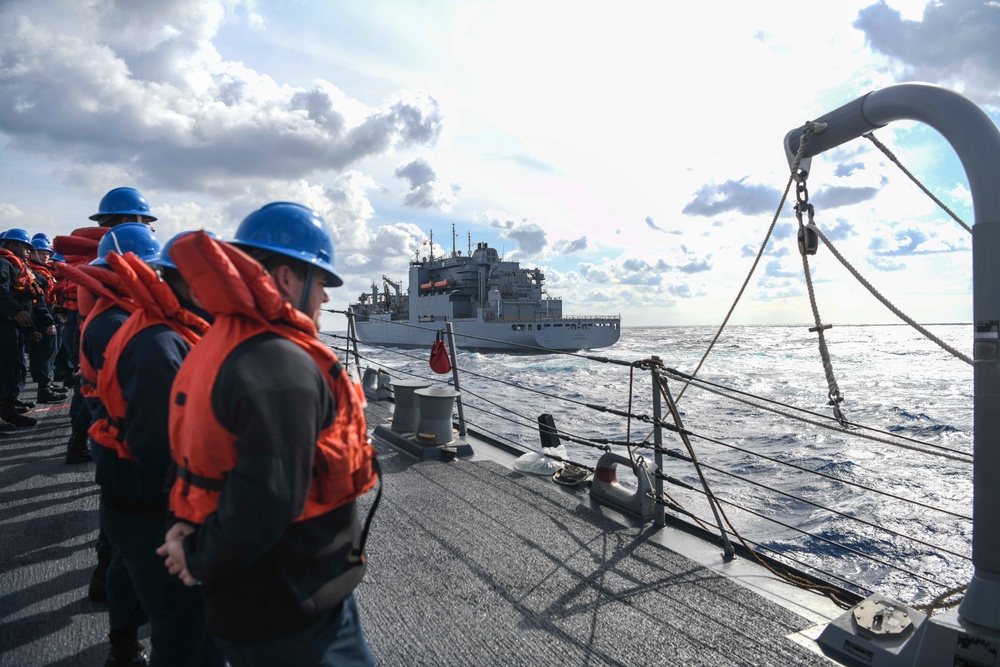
(21, 250)
(292, 285)
(317, 296)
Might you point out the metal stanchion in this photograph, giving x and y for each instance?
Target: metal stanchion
(462, 430)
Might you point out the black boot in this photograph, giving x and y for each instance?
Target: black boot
(97, 590)
(46, 395)
(77, 450)
(9, 413)
(27, 405)
(125, 650)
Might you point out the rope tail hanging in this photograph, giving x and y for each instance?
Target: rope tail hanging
(808, 245)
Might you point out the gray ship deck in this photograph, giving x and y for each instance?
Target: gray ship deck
(471, 563)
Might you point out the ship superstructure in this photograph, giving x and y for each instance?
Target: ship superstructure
(493, 305)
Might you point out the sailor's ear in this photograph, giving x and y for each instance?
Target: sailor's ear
(284, 279)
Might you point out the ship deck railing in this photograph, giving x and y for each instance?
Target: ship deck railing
(862, 529)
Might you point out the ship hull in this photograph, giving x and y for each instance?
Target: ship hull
(475, 334)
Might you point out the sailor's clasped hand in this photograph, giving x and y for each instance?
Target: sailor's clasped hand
(173, 549)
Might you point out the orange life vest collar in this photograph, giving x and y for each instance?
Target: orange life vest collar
(106, 286)
(155, 303)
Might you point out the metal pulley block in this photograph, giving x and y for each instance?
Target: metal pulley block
(882, 618)
(808, 239)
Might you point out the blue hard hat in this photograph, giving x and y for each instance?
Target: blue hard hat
(56, 257)
(16, 234)
(163, 259)
(293, 230)
(123, 201)
(127, 237)
(41, 242)
(40, 235)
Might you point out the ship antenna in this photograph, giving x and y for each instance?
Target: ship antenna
(453, 253)
(469, 235)
(432, 245)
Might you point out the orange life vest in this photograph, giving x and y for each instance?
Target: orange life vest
(64, 291)
(45, 272)
(105, 285)
(155, 303)
(24, 284)
(240, 294)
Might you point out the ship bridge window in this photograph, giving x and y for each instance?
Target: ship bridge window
(529, 327)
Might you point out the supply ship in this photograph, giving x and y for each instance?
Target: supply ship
(492, 304)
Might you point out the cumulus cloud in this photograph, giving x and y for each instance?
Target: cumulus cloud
(566, 247)
(838, 195)
(530, 238)
(626, 270)
(886, 264)
(401, 240)
(160, 102)
(655, 227)
(629, 271)
(417, 172)
(696, 266)
(847, 168)
(683, 291)
(784, 230)
(348, 210)
(840, 231)
(911, 241)
(777, 269)
(425, 190)
(713, 199)
(9, 212)
(955, 44)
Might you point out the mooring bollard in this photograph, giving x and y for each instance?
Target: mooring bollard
(435, 407)
(406, 413)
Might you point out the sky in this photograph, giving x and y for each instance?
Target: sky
(632, 150)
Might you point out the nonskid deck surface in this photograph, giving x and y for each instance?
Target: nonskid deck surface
(470, 563)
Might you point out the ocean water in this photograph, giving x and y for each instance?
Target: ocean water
(816, 481)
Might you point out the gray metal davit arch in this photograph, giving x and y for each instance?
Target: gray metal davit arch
(976, 140)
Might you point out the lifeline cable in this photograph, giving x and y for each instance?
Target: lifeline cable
(646, 418)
